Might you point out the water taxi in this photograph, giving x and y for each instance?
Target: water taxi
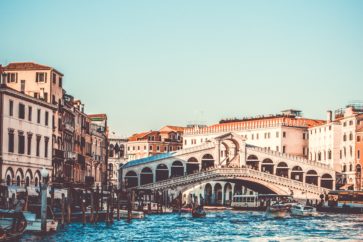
(302, 210)
(258, 202)
(12, 225)
(277, 210)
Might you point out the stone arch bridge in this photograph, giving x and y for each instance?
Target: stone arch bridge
(229, 158)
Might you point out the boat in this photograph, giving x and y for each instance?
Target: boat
(12, 225)
(198, 212)
(303, 210)
(33, 218)
(342, 201)
(258, 202)
(277, 210)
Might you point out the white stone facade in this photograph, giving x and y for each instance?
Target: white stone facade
(26, 126)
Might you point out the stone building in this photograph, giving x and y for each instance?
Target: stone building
(116, 157)
(26, 128)
(286, 132)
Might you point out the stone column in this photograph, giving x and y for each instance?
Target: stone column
(288, 173)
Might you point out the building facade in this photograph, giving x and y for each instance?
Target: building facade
(167, 139)
(286, 133)
(26, 129)
(116, 157)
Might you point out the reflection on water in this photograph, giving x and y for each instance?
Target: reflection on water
(217, 226)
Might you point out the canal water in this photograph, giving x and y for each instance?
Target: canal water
(217, 226)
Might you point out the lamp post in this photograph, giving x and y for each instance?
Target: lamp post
(44, 187)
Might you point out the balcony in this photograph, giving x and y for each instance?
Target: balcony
(69, 128)
(58, 154)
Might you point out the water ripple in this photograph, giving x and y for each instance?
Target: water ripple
(217, 226)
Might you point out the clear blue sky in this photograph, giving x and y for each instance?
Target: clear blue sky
(151, 63)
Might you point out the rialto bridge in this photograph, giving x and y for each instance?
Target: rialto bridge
(226, 160)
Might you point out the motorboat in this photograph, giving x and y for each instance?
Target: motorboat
(277, 210)
(33, 218)
(12, 225)
(303, 210)
(198, 212)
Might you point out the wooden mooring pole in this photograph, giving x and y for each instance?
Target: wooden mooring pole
(63, 209)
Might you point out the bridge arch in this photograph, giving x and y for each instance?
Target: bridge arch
(267, 166)
(218, 194)
(327, 181)
(228, 194)
(312, 177)
(177, 169)
(282, 169)
(161, 172)
(253, 162)
(297, 173)
(207, 162)
(146, 176)
(207, 194)
(192, 165)
(131, 179)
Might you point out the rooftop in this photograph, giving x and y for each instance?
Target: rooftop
(19, 66)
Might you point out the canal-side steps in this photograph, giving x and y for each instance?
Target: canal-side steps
(236, 173)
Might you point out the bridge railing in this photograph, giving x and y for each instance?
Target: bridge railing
(290, 157)
(235, 172)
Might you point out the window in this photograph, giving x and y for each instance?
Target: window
(12, 77)
(151, 147)
(351, 151)
(344, 137)
(351, 136)
(351, 122)
(358, 138)
(38, 145)
(30, 143)
(277, 134)
(46, 118)
(46, 141)
(329, 154)
(60, 81)
(38, 116)
(41, 77)
(345, 124)
(319, 156)
(257, 136)
(11, 105)
(277, 148)
(21, 143)
(11, 141)
(284, 134)
(21, 111)
(22, 86)
(304, 136)
(54, 78)
(329, 127)
(30, 110)
(283, 149)
(157, 148)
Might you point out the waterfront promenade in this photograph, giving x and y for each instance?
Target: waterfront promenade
(217, 226)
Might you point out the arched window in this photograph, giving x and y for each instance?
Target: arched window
(351, 151)
(351, 167)
(344, 137)
(329, 154)
(319, 156)
(344, 168)
(351, 136)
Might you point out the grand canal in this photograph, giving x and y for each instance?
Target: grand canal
(217, 226)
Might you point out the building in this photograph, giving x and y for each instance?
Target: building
(324, 142)
(359, 158)
(99, 137)
(167, 139)
(26, 128)
(116, 157)
(336, 143)
(286, 132)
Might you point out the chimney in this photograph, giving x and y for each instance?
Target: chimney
(329, 116)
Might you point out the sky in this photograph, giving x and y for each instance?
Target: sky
(147, 64)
